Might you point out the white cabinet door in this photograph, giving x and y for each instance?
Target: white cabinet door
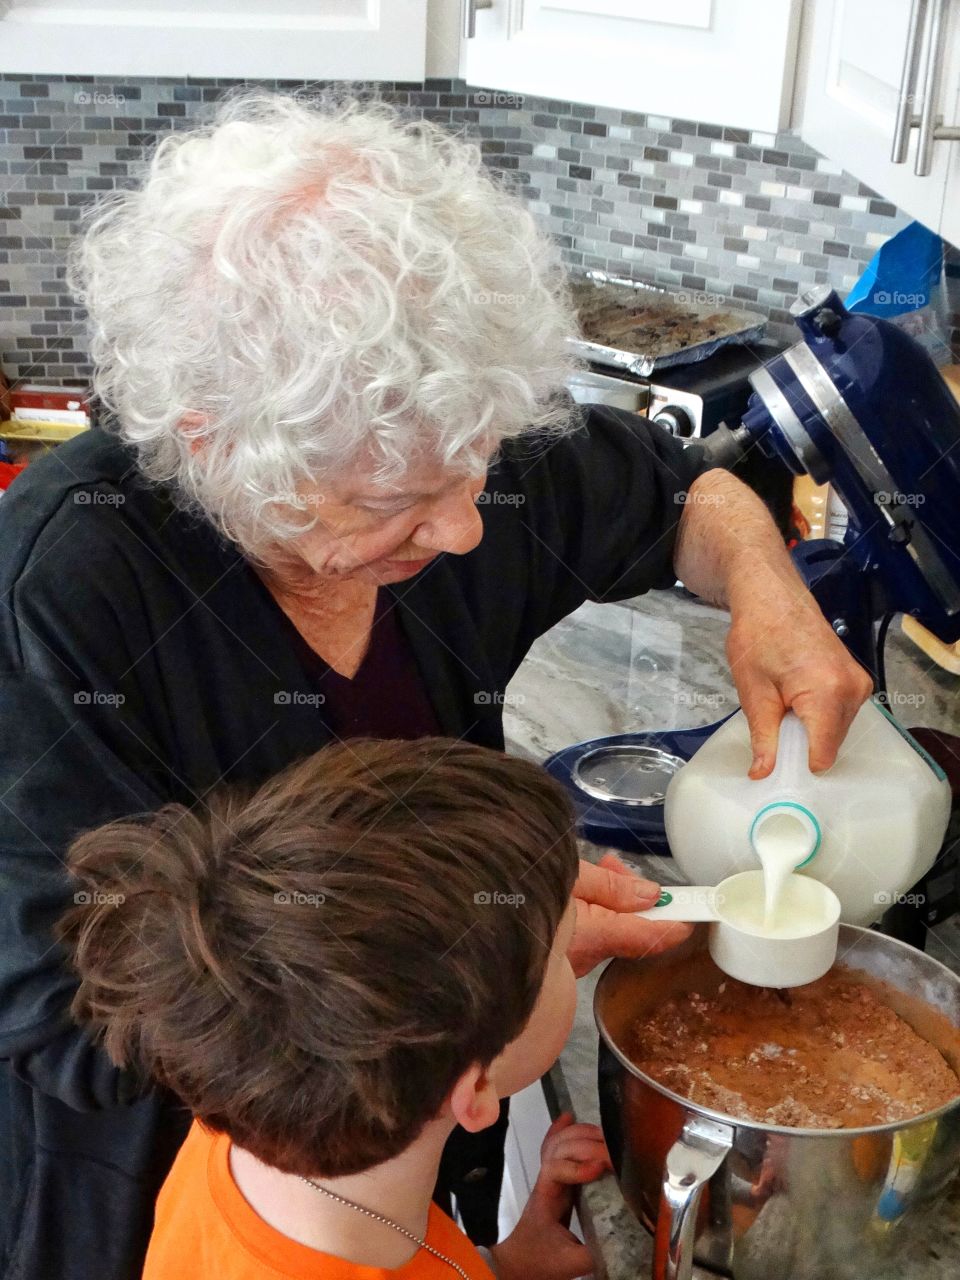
(247, 39)
(851, 90)
(950, 98)
(724, 61)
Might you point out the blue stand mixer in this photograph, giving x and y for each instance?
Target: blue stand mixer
(860, 404)
(857, 403)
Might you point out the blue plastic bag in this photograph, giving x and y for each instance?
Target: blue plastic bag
(903, 275)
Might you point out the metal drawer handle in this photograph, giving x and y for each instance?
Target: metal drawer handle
(930, 125)
(930, 131)
(908, 83)
(470, 8)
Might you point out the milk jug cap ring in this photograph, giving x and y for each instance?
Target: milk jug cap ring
(802, 813)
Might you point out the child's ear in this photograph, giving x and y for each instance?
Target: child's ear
(473, 1101)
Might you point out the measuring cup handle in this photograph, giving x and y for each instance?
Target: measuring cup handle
(690, 902)
(691, 1162)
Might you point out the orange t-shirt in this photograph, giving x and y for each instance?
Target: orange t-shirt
(205, 1229)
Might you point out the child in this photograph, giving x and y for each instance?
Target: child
(332, 973)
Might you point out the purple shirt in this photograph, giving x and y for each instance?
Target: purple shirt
(386, 698)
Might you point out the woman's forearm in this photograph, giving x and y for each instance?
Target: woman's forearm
(729, 548)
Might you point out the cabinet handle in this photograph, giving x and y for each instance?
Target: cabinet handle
(930, 125)
(930, 129)
(470, 8)
(908, 83)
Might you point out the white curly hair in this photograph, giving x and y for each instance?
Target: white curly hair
(301, 286)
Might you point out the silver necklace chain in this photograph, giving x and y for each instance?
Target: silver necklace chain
(379, 1217)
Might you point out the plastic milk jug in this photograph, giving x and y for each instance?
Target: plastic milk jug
(869, 827)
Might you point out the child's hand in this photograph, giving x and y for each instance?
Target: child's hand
(570, 1154)
(541, 1247)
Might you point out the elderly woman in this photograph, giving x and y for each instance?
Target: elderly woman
(340, 495)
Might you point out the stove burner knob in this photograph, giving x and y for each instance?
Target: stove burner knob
(676, 420)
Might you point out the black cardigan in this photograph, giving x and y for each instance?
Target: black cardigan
(140, 662)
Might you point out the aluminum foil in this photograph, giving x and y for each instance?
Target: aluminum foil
(668, 333)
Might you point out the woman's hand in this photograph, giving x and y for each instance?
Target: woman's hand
(541, 1247)
(606, 897)
(784, 656)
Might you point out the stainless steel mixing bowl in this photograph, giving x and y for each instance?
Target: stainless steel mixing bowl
(754, 1200)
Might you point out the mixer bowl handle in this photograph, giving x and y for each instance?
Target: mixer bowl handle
(691, 1162)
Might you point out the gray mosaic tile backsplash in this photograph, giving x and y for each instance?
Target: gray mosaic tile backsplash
(693, 207)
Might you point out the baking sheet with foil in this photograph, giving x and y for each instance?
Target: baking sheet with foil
(640, 328)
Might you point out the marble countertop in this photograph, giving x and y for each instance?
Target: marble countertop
(657, 663)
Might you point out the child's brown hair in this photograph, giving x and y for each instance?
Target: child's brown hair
(311, 966)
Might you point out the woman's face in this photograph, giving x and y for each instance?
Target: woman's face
(385, 534)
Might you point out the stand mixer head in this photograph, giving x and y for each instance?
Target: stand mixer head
(859, 403)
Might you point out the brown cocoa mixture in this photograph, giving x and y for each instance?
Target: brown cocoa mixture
(829, 1055)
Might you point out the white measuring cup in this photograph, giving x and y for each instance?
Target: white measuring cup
(799, 946)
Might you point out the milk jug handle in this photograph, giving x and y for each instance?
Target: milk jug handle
(793, 751)
(691, 1162)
